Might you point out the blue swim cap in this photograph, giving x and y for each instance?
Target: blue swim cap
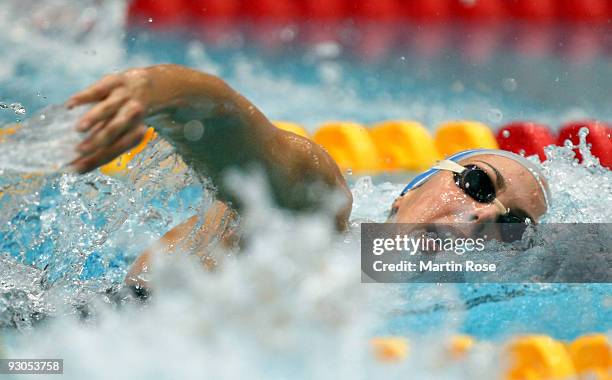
(532, 168)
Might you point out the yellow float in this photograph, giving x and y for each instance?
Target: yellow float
(11, 130)
(456, 136)
(535, 357)
(350, 145)
(291, 127)
(592, 355)
(404, 145)
(460, 345)
(390, 349)
(538, 357)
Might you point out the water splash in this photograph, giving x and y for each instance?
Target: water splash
(261, 315)
(580, 191)
(44, 143)
(17, 108)
(59, 33)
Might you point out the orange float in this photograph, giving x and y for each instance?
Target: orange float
(456, 136)
(350, 145)
(404, 145)
(119, 166)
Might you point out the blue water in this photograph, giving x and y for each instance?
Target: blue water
(84, 232)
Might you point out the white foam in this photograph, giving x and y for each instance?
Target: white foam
(44, 143)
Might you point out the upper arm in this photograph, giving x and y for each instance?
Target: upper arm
(312, 178)
(236, 135)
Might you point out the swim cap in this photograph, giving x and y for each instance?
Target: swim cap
(531, 167)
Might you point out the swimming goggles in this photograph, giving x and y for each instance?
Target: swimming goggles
(474, 181)
(481, 176)
(477, 184)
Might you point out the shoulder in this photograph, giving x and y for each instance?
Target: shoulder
(311, 161)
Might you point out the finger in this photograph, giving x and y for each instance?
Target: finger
(128, 116)
(103, 110)
(93, 130)
(107, 154)
(95, 92)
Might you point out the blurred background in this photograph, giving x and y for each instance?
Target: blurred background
(364, 60)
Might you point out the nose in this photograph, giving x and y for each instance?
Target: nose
(396, 202)
(485, 213)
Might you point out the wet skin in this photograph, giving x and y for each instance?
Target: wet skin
(300, 173)
(440, 200)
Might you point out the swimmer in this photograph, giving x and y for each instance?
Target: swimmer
(472, 187)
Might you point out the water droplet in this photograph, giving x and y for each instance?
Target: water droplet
(150, 19)
(193, 130)
(457, 87)
(509, 84)
(17, 108)
(495, 115)
(327, 50)
(288, 34)
(583, 132)
(506, 133)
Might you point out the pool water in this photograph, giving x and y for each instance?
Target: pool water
(292, 304)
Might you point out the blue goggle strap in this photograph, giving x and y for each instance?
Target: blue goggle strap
(421, 178)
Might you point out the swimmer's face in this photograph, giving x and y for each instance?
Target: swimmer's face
(440, 200)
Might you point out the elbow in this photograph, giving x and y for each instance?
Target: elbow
(344, 213)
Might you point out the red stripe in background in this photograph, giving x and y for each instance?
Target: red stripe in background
(172, 12)
(592, 11)
(485, 11)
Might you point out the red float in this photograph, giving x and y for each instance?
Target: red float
(215, 9)
(533, 10)
(158, 13)
(324, 9)
(525, 138)
(320, 32)
(376, 10)
(582, 43)
(427, 41)
(598, 137)
(479, 41)
(432, 11)
(533, 40)
(375, 42)
(273, 10)
(480, 10)
(584, 10)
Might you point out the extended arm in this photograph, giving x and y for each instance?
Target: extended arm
(213, 128)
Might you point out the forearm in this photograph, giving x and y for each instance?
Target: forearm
(170, 88)
(212, 126)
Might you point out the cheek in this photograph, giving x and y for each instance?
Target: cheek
(438, 200)
(451, 200)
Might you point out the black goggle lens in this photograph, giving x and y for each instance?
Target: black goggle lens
(476, 183)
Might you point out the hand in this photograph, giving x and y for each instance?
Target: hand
(115, 123)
